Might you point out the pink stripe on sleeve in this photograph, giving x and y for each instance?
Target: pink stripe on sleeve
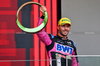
(74, 60)
(43, 36)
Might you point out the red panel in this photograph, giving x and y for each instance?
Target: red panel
(42, 54)
(8, 5)
(20, 55)
(36, 50)
(3, 36)
(31, 57)
(48, 26)
(3, 25)
(7, 37)
(54, 17)
(5, 63)
(5, 31)
(10, 38)
(8, 12)
(42, 48)
(8, 52)
(36, 39)
(48, 6)
(47, 59)
(9, 22)
(19, 63)
(5, 3)
(8, 26)
(4, 42)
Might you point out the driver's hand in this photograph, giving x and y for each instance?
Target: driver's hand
(43, 9)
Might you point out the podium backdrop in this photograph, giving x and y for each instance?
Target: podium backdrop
(18, 45)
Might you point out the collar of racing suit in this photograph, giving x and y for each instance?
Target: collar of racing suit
(61, 37)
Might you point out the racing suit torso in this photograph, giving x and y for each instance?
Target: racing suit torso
(58, 49)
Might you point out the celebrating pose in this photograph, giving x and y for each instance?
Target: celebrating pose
(59, 46)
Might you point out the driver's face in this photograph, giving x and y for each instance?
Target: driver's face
(64, 29)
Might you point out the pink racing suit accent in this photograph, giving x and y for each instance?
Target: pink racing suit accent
(58, 48)
(43, 36)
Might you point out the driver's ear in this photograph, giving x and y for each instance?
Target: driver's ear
(58, 27)
(70, 28)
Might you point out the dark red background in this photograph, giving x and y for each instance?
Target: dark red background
(18, 45)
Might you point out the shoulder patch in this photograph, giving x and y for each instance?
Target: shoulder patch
(74, 44)
(52, 36)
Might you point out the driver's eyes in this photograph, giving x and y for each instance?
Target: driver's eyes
(68, 25)
(63, 25)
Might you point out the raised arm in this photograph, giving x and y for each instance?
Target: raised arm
(43, 36)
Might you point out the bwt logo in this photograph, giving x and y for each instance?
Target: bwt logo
(65, 49)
